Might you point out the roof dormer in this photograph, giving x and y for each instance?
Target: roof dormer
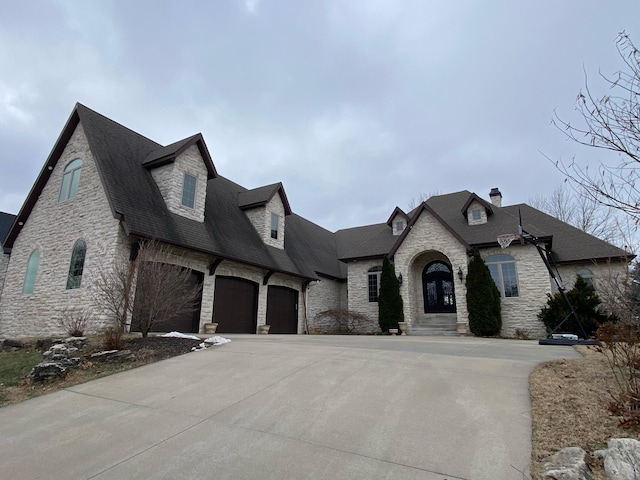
(476, 210)
(181, 171)
(398, 221)
(267, 212)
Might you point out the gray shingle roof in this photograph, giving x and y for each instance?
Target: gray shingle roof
(124, 156)
(6, 220)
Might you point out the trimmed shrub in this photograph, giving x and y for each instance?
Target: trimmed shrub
(483, 299)
(390, 307)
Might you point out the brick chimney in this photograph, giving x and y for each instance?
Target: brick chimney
(496, 197)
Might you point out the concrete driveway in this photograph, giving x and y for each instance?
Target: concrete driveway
(291, 407)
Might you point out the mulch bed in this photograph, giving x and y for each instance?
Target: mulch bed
(163, 347)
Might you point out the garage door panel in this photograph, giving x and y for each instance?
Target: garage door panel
(282, 309)
(235, 305)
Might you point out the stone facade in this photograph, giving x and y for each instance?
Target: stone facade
(170, 180)
(52, 228)
(321, 295)
(4, 264)
(429, 240)
(260, 218)
(520, 314)
(358, 292)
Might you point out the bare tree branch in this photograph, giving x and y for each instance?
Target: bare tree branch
(610, 122)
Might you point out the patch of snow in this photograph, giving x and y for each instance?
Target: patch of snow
(217, 340)
(180, 335)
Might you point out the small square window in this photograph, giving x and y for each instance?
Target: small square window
(189, 190)
(275, 219)
(399, 226)
(476, 214)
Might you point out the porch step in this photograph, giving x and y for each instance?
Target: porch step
(434, 324)
(433, 330)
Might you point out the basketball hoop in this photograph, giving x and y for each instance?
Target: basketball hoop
(505, 240)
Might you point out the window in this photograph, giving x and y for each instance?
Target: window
(399, 226)
(275, 219)
(587, 275)
(189, 190)
(503, 272)
(70, 180)
(77, 264)
(32, 270)
(373, 282)
(476, 215)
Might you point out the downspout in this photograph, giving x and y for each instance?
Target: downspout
(305, 285)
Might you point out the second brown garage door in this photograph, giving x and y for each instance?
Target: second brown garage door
(235, 305)
(282, 310)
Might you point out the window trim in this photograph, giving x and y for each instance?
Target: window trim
(31, 273)
(499, 260)
(76, 265)
(187, 193)
(70, 180)
(373, 274)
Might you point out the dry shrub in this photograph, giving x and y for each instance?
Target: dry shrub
(74, 321)
(620, 343)
(346, 321)
(111, 338)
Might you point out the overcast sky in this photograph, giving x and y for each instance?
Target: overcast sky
(356, 106)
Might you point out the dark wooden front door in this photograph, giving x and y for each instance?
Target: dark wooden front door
(282, 310)
(235, 305)
(437, 288)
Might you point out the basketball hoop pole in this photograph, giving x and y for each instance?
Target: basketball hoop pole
(527, 237)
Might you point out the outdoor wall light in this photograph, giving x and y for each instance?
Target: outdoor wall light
(460, 273)
(400, 279)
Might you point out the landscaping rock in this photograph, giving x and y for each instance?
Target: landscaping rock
(56, 360)
(622, 461)
(78, 342)
(46, 370)
(111, 356)
(10, 345)
(568, 464)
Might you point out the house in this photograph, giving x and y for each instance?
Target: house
(105, 187)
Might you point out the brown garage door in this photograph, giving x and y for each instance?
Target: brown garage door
(235, 305)
(282, 310)
(185, 323)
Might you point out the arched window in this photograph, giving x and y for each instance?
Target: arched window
(70, 180)
(587, 276)
(32, 270)
(373, 282)
(77, 264)
(503, 272)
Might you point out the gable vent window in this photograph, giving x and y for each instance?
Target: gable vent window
(275, 219)
(76, 265)
(189, 190)
(476, 215)
(399, 226)
(70, 180)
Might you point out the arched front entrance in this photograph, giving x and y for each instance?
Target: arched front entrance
(437, 288)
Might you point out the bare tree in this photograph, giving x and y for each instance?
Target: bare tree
(112, 295)
(582, 212)
(610, 122)
(164, 291)
(422, 197)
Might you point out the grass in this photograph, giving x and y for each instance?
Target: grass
(14, 366)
